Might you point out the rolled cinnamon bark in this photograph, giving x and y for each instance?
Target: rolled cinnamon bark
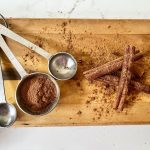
(122, 87)
(131, 52)
(114, 80)
(107, 68)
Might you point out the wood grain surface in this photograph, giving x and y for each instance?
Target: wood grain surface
(92, 42)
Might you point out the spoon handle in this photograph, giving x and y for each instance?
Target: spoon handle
(5, 31)
(2, 91)
(12, 58)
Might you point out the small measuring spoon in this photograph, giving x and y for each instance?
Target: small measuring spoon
(8, 111)
(62, 65)
(24, 77)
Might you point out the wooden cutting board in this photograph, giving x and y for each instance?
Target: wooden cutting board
(92, 42)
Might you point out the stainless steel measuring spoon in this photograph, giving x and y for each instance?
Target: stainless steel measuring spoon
(8, 111)
(24, 77)
(62, 65)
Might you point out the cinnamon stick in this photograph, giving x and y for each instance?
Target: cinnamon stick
(136, 57)
(131, 51)
(114, 80)
(122, 79)
(107, 68)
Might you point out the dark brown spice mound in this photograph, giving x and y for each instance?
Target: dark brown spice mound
(37, 93)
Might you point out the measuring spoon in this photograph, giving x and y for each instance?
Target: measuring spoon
(8, 112)
(62, 65)
(24, 77)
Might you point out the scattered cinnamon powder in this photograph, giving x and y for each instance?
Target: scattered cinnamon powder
(93, 119)
(80, 62)
(64, 24)
(78, 84)
(117, 53)
(109, 26)
(39, 43)
(30, 56)
(69, 41)
(37, 93)
(87, 102)
(95, 109)
(79, 112)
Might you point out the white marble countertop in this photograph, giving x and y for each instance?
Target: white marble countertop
(76, 138)
(76, 8)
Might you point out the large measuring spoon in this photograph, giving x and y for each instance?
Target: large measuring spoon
(62, 65)
(8, 112)
(24, 78)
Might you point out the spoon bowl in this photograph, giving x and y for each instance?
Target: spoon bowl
(62, 66)
(8, 114)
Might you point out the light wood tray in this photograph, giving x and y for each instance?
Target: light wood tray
(92, 42)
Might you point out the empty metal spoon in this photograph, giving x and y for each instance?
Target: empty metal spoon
(24, 77)
(62, 65)
(8, 112)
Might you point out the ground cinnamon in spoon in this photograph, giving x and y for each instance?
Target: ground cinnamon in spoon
(37, 93)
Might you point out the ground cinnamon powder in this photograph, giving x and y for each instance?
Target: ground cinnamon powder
(37, 93)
